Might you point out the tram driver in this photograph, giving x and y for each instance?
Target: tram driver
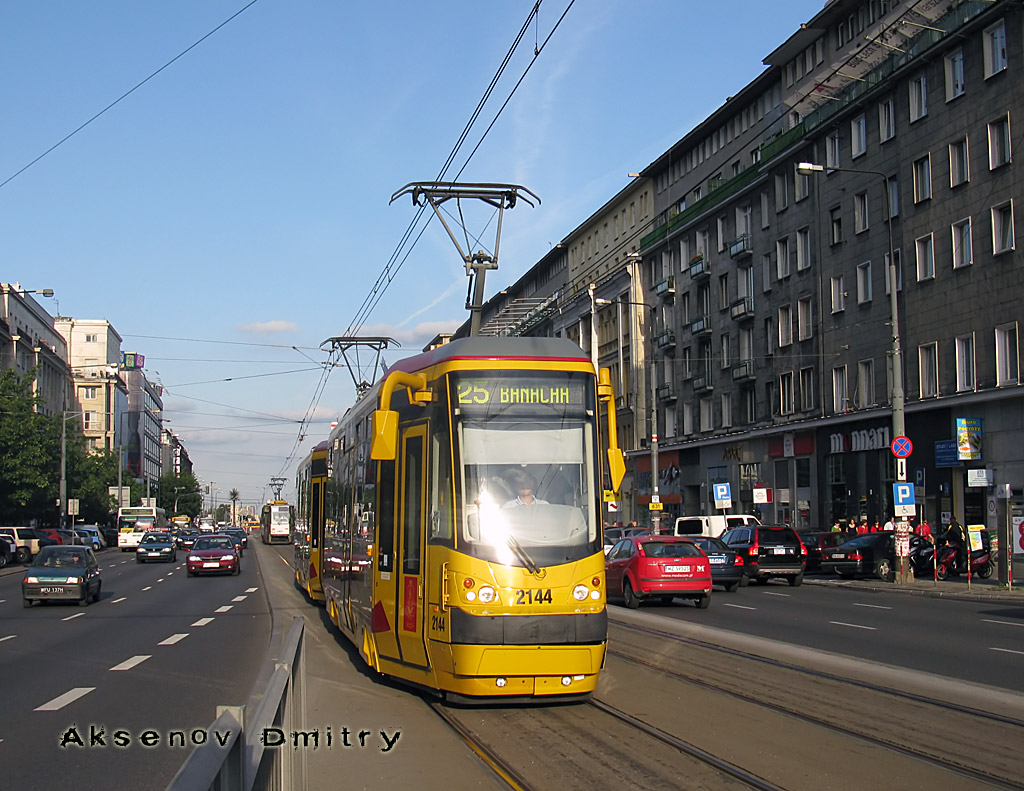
(523, 483)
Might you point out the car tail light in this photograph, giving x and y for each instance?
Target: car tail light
(739, 560)
(856, 556)
(754, 549)
(803, 547)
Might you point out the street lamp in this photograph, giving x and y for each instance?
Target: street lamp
(898, 400)
(655, 494)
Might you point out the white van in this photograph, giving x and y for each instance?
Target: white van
(712, 524)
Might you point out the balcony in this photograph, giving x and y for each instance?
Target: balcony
(740, 247)
(701, 383)
(742, 308)
(743, 370)
(666, 393)
(701, 326)
(666, 288)
(699, 267)
(665, 340)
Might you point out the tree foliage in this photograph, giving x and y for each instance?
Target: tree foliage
(29, 453)
(182, 490)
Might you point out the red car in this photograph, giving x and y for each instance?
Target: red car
(665, 567)
(214, 554)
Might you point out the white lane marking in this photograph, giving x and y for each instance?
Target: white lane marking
(1007, 651)
(174, 638)
(203, 621)
(769, 593)
(739, 606)
(239, 598)
(854, 626)
(872, 606)
(123, 598)
(1, 602)
(1001, 623)
(63, 700)
(225, 608)
(128, 664)
(72, 617)
(251, 590)
(148, 588)
(8, 637)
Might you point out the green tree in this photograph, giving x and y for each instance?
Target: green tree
(223, 512)
(29, 453)
(180, 494)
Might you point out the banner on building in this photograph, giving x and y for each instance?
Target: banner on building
(968, 438)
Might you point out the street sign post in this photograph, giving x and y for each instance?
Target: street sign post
(903, 499)
(723, 495)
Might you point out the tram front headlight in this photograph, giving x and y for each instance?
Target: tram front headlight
(487, 594)
(580, 592)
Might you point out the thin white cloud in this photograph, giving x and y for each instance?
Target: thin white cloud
(269, 327)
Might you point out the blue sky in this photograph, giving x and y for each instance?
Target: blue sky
(236, 205)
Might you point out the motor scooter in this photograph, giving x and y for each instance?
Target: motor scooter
(951, 562)
(922, 557)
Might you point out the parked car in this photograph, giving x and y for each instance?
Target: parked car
(27, 542)
(156, 546)
(769, 551)
(664, 567)
(867, 555)
(73, 537)
(818, 541)
(613, 535)
(212, 554)
(92, 536)
(726, 563)
(711, 524)
(62, 573)
(6, 551)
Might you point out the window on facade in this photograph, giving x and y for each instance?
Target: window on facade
(963, 254)
(781, 192)
(722, 233)
(894, 197)
(785, 325)
(925, 258)
(787, 393)
(832, 158)
(92, 338)
(88, 420)
(1007, 355)
(723, 350)
(864, 283)
(928, 369)
(769, 344)
(922, 179)
(995, 49)
(835, 222)
(748, 405)
(782, 258)
(686, 364)
(687, 419)
(726, 404)
(1002, 228)
(865, 383)
(807, 399)
(840, 393)
(805, 328)
(803, 249)
(954, 74)
(959, 164)
(887, 120)
(707, 414)
(899, 272)
(999, 153)
(838, 294)
(965, 378)
(743, 220)
(918, 97)
(801, 185)
(746, 348)
(89, 392)
(766, 218)
(860, 212)
(858, 135)
(766, 272)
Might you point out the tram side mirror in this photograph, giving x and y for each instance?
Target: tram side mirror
(616, 468)
(384, 446)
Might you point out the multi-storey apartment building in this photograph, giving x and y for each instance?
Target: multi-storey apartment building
(29, 341)
(100, 393)
(758, 312)
(144, 423)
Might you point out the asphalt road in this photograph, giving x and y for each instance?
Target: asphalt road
(981, 642)
(148, 663)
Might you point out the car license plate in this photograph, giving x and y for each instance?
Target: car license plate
(677, 569)
(839, 556)
(51, 590)
(210, 565)
(779, 551)
(717, 561)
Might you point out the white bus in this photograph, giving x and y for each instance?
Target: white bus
(135, 521)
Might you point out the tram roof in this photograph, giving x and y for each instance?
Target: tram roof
(491, 348)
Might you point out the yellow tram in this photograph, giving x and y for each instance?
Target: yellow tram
(311, 483)
(459, 528)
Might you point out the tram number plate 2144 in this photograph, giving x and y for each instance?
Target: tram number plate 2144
(533, 596)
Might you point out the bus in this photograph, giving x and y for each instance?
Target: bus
(181, 522)
(135, 521)
(277, 522)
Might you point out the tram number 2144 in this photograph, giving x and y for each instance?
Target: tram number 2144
(533, 596)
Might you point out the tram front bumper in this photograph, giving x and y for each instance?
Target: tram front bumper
(520, 670)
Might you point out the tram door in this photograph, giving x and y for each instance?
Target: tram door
(409, 549)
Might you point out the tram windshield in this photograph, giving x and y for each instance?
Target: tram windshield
(528, 480)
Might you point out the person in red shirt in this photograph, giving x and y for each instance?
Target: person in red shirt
(924, 530)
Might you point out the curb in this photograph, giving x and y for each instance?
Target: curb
(914, 589)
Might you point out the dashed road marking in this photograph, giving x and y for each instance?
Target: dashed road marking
(225, 608)
(739, 606)
(872, 606)
(251, 590)
(115, 601)
(1008, 651)
(72, 617)
(239, 598)
(128, 664)
(771, 593)
(1001, 623)
(61, 701)
(8, 637)
(174, 638)
(148, 588)
(203, 621)
(854, 626)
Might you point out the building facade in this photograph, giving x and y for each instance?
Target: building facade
(28, 340)
(144, 425)
(752, 316)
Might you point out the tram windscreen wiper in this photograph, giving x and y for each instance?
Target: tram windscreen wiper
(521, 553)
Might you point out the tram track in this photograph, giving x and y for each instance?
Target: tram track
(921, 728)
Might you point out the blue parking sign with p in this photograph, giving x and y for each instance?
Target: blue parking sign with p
(903, 493)
(722, 491)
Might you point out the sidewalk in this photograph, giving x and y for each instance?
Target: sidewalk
(956, 588)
